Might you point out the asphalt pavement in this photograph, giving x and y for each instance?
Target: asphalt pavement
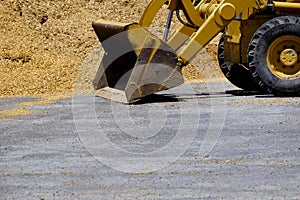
(198, 141)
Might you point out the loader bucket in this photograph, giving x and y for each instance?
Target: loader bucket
(135, 63)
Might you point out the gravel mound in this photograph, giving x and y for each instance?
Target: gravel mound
(44, 43)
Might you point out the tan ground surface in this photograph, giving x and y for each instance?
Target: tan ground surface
(43, 43)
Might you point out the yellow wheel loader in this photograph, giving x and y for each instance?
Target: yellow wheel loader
(259, 48)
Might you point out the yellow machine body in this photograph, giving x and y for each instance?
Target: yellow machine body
(137, 63)
(240, 32)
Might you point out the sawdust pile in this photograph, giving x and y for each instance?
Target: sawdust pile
(43, 43)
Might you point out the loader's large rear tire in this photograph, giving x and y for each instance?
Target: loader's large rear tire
(236, 73)
(274, 55)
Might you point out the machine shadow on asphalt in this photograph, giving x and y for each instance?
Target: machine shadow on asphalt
(157, 98)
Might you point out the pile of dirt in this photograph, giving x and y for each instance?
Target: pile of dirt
(43, 43)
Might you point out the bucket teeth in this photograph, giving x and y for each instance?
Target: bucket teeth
(135, 64)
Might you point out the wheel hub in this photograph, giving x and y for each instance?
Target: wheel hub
(288, 57)
(283, 57)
